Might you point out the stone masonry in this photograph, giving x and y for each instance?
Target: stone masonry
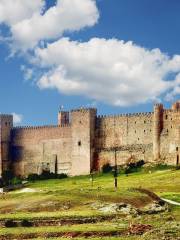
(82, 141)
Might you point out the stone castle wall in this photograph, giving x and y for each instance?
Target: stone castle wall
(83, 141)
(6, 123)
(36, 148)
(131, 134)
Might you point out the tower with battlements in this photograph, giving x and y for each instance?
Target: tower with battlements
(83, 141)
(6, 125)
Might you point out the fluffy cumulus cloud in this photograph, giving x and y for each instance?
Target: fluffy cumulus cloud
(17, 118)
(14, 11)
(112, 71)
(29, 23)
(107, 70)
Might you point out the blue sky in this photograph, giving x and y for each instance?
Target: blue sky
(149, 24)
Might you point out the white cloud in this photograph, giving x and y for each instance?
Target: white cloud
(28, 72)
(112, 71)
(28, 25)
(107, 70)
(14, 11)
(17, 118)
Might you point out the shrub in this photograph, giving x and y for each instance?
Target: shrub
(16, 181)
(158, 167)
(7, 177)
(46, 175)
(26, 223)
(61, 175)
(107, 168)
(10, 223)
(134, 167)
(1, 183)
(33, 177)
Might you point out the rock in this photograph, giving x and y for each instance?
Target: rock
(123, 208)
(155, 207)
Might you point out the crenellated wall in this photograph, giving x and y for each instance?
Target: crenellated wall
(36, 148)
(131, 134)
(83, 141)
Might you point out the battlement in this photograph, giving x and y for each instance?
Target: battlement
(41, 127)
(147, 114)
(158, 105)
(6, 115)
(83, 141)
(83, 109)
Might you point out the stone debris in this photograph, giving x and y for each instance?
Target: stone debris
(123, 208)
(155, 207)
(139, 229)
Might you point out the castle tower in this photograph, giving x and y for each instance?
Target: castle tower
(157, 128)
(6, 124)
(83, 132)
(176, 106)
(63, 118)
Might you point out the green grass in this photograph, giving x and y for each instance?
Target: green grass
(103, 227)
(73, 198)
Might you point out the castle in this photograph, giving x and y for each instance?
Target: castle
(82, 141)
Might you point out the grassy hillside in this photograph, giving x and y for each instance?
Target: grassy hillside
(74, 201)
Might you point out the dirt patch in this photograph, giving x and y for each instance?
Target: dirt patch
(27, 190)
(88, 234)
(54, 222)
(139, 229)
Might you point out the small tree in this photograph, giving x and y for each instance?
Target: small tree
(7, 177)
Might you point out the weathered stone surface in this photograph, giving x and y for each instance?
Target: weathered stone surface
(122, 208)
(83, 141)
(155, 207)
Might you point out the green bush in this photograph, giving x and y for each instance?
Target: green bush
(10, 223)
(26, 223)
(158, 167)
(7, 177)
(16, 181)
(134, 167)
(107, 168)
(61, 176)
(46, 175)
(1, 183)
(33, 177)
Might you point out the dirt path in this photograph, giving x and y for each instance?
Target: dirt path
(170, 202)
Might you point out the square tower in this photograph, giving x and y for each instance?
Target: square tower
(83, 132)
(6, 124)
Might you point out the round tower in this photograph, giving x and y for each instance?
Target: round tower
(157, 128)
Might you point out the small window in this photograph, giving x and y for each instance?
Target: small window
(79, 143)
(144, 131)
(150, 130)
(138, 139)
(166, 117)
(176, 149)
(135, 122)
(171, 127)
(144, 121)
(135, 131)
(6, 123)
(167, 130)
